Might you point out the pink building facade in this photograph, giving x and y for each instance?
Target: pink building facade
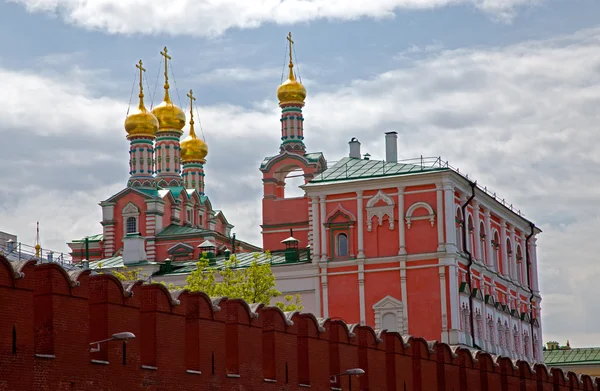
(163, 204)
(408, 246)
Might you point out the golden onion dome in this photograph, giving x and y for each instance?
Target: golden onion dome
(141, 122)
(169, 116)
(291, 91)
(192, 148)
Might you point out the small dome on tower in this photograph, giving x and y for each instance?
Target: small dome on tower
(169, 116)
(192, 148)
(141, 122)
(291, 91)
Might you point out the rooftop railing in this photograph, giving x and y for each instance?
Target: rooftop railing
(414, 165)
(18, 251)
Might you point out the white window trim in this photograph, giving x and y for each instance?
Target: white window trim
(389, 305)
(130, 210)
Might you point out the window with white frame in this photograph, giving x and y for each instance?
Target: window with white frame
(130, 215)
(131, 225)
(482, 236)
(470, 234)
(342, 245)
(519, 264)
(459, 235)
(495, 250)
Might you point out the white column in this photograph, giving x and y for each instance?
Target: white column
(454, 301)
(505, 267)
(361, 292)
(325, 293)
(443, 303)
(477, 232)
(522, 265)
(323, 230)
(401, 226)
(440, 217)
(513, 258)
(317, 287)
(361, 224)
(315, 247)
(449, 215)
(488, 238)
(403, 291)
(534, 272)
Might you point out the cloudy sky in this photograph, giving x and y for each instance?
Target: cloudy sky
(506, 90)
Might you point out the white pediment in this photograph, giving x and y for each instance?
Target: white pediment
(130, 209)
(388, 302)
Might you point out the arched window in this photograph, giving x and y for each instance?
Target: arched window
(131, 225)
(470, 234)
(342, 245)
(459, 236)
(519, 265)
(482, 239)
(495, 249)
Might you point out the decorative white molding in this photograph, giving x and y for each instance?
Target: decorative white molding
(389, 305)
(418, 205)
(341, 210)
(380, 211)
(130, 210)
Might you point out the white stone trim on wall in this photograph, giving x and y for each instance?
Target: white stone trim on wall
(130, 210)
(418, 205)
(380, 211)
(391, 305)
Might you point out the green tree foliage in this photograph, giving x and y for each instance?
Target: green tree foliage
(254, 284)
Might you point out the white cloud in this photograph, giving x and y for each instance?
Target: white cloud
(204, 17)
(520, 119)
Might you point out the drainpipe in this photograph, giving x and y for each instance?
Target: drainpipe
(528, 267)
(470, 259)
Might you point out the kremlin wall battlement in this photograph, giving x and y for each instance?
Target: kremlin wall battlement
(185, 341)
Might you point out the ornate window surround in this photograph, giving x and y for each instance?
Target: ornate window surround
(380, 211)
(419, 205)
(389, 305)
(130, 210)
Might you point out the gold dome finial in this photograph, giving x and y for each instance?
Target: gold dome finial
(169, 116)
(141, 122)
(291, 91)
(192, 148)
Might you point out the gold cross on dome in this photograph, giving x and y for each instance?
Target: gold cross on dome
(165, 54)
(192, 99)
(289, 38)
(142, 70)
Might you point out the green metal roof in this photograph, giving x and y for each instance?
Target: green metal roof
(91, 238)
(175, 229)
(244, 260)
(115, 262)
(572, 356)
(150, 192)
(352, 168)
(175, 190)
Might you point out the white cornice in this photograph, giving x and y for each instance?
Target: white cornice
(351, 186)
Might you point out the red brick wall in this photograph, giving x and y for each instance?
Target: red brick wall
(186, 341)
